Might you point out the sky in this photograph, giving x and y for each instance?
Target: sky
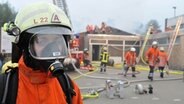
(127, 15)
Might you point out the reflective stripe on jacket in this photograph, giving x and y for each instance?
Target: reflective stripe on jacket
(104, 57)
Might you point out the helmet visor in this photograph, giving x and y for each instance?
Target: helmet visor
(48, 46)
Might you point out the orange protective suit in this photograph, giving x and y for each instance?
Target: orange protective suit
(130, 58)
(36, 87)
(152, 56)
(163, 59)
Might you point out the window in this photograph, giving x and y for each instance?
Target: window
(115, 42)
(162, 41)
(98, 41)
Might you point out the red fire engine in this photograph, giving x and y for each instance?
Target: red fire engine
(78, 55)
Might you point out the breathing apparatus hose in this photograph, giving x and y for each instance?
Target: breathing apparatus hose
(6, 88)
(95, 77)
(68, 86)
(16, 54)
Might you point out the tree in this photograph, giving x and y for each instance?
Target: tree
(155, 26)
(7, 13)
(139, 28)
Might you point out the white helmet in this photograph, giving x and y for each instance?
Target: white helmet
(85, 49)
(162, 49)
(139, 89)
(132, 49)
(154, 43)
(105, 48)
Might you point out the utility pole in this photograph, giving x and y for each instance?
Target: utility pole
(174, 7)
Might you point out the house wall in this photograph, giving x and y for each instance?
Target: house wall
(118, 49)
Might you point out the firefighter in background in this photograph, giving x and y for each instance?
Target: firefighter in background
(104, 57)
(163, 60)
(130, 61)
(75, 43)
(87, 62)
(152, 58)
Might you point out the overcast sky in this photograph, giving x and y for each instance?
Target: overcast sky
(123, 14)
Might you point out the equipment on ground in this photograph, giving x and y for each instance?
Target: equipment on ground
(139, 89)
(110, 62)
(120, 89)
(150, 89)
(115, 90)
(91, 94)
(109, 89)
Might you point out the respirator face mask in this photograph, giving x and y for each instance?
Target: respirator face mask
(49, 47)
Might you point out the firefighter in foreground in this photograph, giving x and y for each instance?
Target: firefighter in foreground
(130, 61)
(44, 33)
(104, 58)
(163, 61)
(152, 58)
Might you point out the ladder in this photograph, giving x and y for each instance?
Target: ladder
(174, 36)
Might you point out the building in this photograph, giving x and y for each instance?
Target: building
(119, 41)
(170, 23)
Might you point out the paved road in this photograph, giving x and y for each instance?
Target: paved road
(164, 92)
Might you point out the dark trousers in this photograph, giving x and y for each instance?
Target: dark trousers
(103, 67)
(133, 70)
(161, 71)
(151, 71)
(87, 62)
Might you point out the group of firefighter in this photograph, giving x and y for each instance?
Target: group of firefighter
(155, 57)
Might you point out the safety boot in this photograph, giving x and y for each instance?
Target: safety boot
(133, 75)
(101, 70)
(150, 78)
(161, 75)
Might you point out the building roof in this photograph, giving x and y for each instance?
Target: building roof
(109, 30)
(117, 31)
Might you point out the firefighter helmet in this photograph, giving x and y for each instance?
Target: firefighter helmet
(35, 24)
(139, 89)
(48, 16)
(154, 43)
(85, 49)
(132, 49)
(162, 49)
(105, 48)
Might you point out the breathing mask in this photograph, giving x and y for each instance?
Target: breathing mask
(48, 46)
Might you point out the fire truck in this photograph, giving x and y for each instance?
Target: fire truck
(77, 56)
